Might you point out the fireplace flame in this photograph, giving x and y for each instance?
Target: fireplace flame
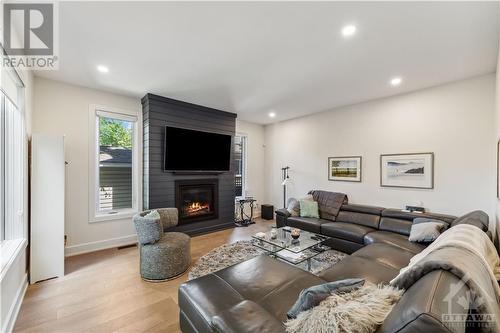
(197, 207)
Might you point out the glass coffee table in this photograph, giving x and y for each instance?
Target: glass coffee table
(285, 248)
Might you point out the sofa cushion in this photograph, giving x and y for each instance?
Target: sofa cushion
(393, 239)
(272, 284)
(368, 220)
(388, 255)
(343, 245)
(306, 223)
(358, 267)
(247, 316)
(348, 231)
(201, 299)
(399, 226)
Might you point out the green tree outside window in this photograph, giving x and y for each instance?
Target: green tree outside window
(115, 133)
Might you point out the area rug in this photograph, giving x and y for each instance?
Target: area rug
(231, 254)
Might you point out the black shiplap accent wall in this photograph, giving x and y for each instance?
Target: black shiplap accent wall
(159, 186)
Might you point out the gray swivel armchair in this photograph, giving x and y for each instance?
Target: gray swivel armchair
(163, 255)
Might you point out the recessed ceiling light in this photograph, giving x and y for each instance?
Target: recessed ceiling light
(348, 30)
(102, 69)
(396, 81)
(272, 114)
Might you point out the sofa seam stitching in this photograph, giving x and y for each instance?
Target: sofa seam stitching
(230, 286)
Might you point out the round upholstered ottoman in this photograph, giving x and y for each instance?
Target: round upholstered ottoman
(167, 258)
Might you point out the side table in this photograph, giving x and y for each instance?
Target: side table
(244, 220)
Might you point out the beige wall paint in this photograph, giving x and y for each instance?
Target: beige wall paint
(64, 109)
(455, 121)
(255, 160)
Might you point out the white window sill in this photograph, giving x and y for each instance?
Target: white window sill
(9, 251)
(120, 215)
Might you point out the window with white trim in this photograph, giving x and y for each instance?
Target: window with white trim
(240, 153)
(13, 157)
(115, 164)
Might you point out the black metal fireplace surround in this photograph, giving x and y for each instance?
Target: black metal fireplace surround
(197, 199)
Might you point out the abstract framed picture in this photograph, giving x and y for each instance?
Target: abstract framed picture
(347, 169)
(407, 170)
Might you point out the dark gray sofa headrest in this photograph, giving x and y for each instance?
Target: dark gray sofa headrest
(477, 218)
(399, 214)
(365, 209)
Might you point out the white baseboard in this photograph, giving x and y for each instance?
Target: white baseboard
(16, 306)
(74, 250)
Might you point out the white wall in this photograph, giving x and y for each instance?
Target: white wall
(255, 160)
(455, 121)
(64, 109)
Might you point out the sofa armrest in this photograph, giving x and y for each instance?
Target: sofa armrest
(476, 218)
(283, 212)
(246, 317)
(281, 216)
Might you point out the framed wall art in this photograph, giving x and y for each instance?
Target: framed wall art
(346, 168)
(407, 170)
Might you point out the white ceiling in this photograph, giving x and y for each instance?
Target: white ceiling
(251, 58)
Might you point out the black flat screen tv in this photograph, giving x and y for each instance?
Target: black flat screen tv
(197, 151)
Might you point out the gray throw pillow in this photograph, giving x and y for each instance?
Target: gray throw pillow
(312, 296)
(293, 207)
(419, 220)
(424, 230)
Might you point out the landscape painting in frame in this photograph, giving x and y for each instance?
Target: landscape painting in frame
(407, 170)
(344, 168)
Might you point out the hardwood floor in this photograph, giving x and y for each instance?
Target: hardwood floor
(103, 292)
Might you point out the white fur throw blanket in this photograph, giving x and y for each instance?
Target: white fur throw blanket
(466, 252)
(359, 311)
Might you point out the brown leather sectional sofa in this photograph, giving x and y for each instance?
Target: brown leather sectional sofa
(255, 295)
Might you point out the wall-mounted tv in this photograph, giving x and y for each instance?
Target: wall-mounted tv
(197, 151)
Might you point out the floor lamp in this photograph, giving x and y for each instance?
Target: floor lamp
(285, 180)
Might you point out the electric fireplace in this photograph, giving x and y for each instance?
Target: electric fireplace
(196, 199)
